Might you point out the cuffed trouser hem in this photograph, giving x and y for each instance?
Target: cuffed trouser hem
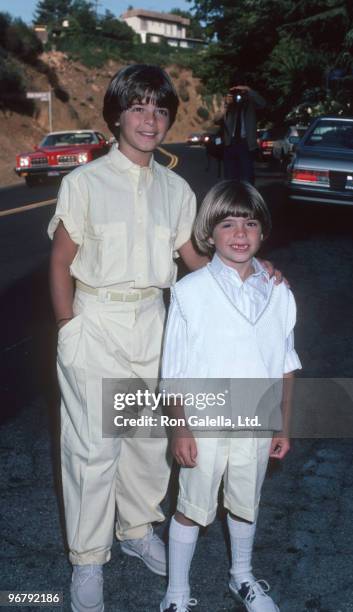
(196, 514)
(135, 533)
(90, 558)
(248, 514)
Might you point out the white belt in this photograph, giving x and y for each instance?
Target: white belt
(131, 295)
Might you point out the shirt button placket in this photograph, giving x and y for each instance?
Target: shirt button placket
(140, 205)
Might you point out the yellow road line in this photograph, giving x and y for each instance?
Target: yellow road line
(174, 159)
(26, 207)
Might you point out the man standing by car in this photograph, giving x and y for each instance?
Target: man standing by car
(239, 129)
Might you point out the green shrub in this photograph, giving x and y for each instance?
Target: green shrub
(89, 51)
(12, 87)
(20, 40)
(61, 93)
(208, 101)
(203, 113)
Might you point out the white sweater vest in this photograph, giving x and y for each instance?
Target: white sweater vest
(222, 343)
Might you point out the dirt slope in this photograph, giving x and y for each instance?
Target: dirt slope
(86, 89)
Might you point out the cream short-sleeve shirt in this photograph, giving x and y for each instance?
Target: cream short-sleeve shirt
(128, 221)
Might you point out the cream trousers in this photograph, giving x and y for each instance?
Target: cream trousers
(104, 476)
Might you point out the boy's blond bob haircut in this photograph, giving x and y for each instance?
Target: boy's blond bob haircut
(229, 199)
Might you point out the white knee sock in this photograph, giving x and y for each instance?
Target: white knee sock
(242, 540)
(182, 543)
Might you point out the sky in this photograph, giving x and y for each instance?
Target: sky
(26, 8)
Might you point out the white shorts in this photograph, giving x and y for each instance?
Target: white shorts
(242, 461)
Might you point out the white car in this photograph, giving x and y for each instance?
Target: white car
(282, 148)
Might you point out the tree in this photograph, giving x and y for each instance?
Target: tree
(12, 87)
(52, 12)
(22, 42)
(117, 31)
(84, 14)
(5, 21)
(284, 46)
(18, 39)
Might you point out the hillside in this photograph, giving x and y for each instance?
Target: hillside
(86, 88)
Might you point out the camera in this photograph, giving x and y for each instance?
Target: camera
(239, 97)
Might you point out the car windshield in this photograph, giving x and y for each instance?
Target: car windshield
(272, 134)
(331, 134)
(69, 138)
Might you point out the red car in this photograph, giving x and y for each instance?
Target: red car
(59, 153)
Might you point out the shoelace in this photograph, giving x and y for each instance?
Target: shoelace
(185, 608)
(257, 589)
(84, 574)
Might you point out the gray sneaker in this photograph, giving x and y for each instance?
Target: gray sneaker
(87, 588)
(253, 596)
(180, 604)
(150, 549)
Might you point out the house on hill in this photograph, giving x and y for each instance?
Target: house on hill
(154, 27)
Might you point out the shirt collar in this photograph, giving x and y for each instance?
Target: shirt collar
(219, 267)
(124, 164)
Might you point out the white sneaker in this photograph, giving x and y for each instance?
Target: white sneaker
(180, 604)
(87, 588)
(150, 549)
(253, 596)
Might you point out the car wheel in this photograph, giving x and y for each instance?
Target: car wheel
(32, 181)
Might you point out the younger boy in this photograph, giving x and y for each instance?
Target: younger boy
(227, 320)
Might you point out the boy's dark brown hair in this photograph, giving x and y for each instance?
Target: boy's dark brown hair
(134, 84)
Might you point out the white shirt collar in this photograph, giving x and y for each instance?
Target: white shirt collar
(123, 163)
(219, 267)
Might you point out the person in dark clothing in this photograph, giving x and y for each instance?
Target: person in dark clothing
(239, 129)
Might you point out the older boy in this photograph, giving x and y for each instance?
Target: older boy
(118, 223)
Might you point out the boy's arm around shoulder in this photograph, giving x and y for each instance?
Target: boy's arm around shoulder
(191, 258)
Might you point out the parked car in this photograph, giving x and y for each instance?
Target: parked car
(267, 140)
(322, 168)
(283, 148)
(59, 153)
(276, 144)
(195, 139)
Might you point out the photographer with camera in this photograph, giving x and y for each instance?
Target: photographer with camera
(239, 129)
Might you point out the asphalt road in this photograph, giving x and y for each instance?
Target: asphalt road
(304, 542)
